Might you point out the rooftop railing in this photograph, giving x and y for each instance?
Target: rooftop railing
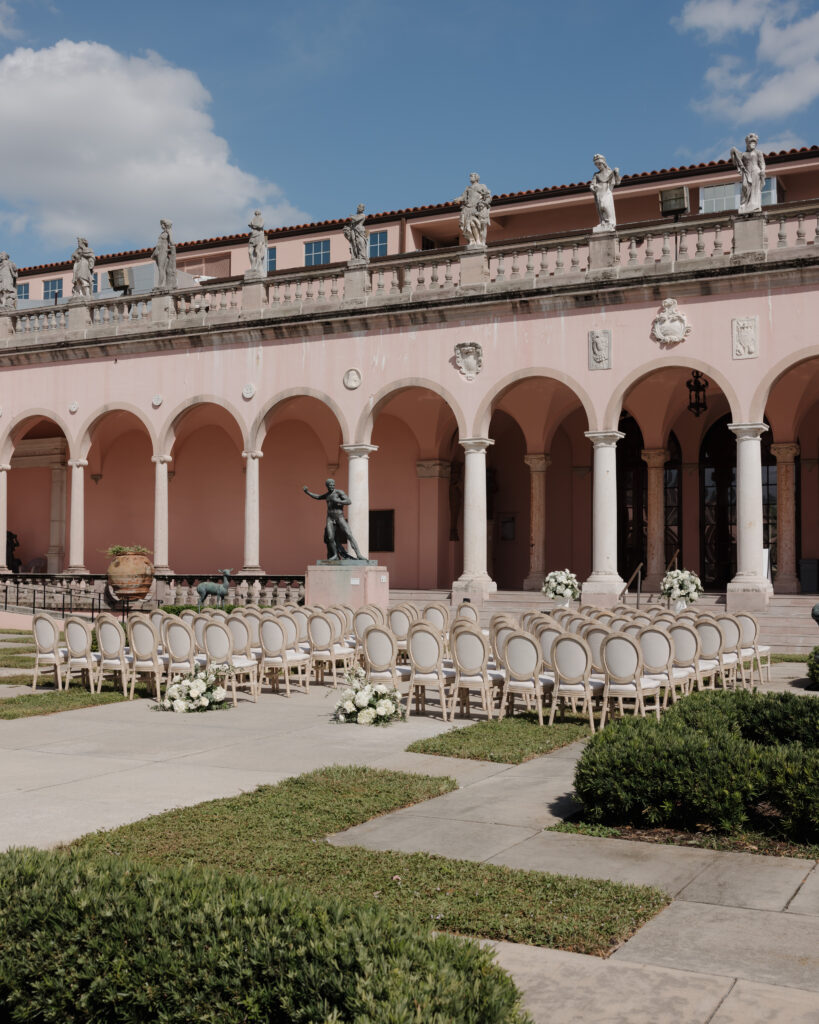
(780, 234)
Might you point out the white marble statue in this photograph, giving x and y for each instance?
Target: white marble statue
(751, 167)
(164, 255)
(475, 201)
(257, 243)
(8, 282)
(602, 185)
(83, 259)
(356, 235)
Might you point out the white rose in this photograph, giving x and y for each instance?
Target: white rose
(204, 702)
(348, 706)
(381, 688)
(384, 708)
(180, 705)
(219, 694)
(362, 699)
(173, 690)
(366, 717)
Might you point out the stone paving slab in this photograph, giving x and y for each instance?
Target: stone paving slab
(412, 833)
(806, 901)
(748, 880)
(570, 988)
(751, 1003)
(670, 868)
(29, 770)
(757, 945)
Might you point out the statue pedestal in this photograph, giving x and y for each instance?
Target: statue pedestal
(749, 233)
(349, 582)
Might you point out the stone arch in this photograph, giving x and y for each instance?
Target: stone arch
(85, 434)
(364, 426)
(167, 433)
(615, 405)
(258, 430)
(485, 409)
(762, 393)
(13, 432)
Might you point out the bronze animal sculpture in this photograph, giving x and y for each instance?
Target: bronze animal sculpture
(219, 590)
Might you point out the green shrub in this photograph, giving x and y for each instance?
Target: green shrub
(813, 665)
(714, 759)
(98, 939)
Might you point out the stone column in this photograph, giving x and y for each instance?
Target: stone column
(161, 513)
(56, 535)
(475, 577)
(76, 540)
(786, 581)
(358, 491)
(433, 522)
(252, 512)
(655, 459)
(749, 589)
(538, 464)
(4, 499)
(605, 584)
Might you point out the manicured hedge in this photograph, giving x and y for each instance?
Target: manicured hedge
(714, 759)
(91, 939)
(813, 665)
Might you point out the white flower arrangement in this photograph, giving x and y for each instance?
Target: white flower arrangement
(681, 585)
(196, 691)
(561, 583)
(367, 703)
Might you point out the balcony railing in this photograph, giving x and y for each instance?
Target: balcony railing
(781, 234)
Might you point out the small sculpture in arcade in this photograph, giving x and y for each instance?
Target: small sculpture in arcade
(218, 590)
(337, 532)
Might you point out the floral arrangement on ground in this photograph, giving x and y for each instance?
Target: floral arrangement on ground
(195, 691)
(561, 583)
(681, 585)
(365, 703)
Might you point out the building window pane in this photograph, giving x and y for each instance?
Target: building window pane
(718, 198)
(22, 291)
(53, 289)
(382, 529)
(95, 284)
(317, 253)
(378, 244)
(271, 258)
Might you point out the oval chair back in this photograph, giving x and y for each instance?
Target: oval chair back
(338, 619)
(179, 641)
(289, 625)
(144, 641)
(572, 662)
(710, 639)
(157, 618)
(253, 618)
(110, 637)
(240, 631)
(523, 662)
(362, 620)
(425, 648)
(78, 637)
(380, 649)
(632, 629)
(465, 610)
(594, 637)
(198, 626)
(498, 640)
(399, 622)
(320, 632)
(186, 615)
(301, 615)
(272, 636)
(437, 616)
(546, 637)
(470, 651)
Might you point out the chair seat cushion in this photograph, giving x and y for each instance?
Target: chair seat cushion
(427, 677)
(729, 659)
(707, 664)
(377, 677)
(242, 661)
(595, 685)
(763, 649)
(54, 659)
(649, 684)
(116, 663)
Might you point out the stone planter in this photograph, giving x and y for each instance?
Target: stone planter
(130, 576)
(563, 601)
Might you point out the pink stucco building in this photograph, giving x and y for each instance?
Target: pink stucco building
(512, 409)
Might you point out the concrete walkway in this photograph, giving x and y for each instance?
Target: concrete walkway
(740, 941)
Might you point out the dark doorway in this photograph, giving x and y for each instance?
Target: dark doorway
(632, 476)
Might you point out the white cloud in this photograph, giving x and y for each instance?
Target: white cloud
(780, 78)
(103, 145)
(8, 16)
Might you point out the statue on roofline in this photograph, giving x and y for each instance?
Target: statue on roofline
(475, 201)
(8, 282)
(356, 235)
(602, 185)
(164, 255)
(257, 243)
(751, 167)
(83, 259)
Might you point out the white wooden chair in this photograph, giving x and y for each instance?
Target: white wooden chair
(81, 658)
(753, 651)
(380, 657)
(399, 620)
(437, 614)
(113, 656)
(147, 661)
(425, 648)
(523, 671)
(657, 651)
(466, 610)
(49, 655)
(179, 643)
(712, 663)
(625, 676)
(220, 655)
(470, 658)
(243, 649)
(278, 660)
(327, 653)
(572, 662)
(732, 647)
(687, 650)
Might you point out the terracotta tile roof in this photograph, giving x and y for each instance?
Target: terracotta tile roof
(689, 170)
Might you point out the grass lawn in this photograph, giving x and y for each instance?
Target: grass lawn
(738, 842)
(23, 679)
(49, 702)
(16, 659)
(777, 659)
(509, 741)
(278, 832)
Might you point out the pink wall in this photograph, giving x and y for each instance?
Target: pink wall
(29, 511)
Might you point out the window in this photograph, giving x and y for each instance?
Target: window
(95, 284)
(717, 198)
(316, 253)
(22, 291)
(378, 244)
(271, 258)
(382, 529)
(53, 289)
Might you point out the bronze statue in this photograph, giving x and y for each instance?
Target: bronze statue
(337, 531)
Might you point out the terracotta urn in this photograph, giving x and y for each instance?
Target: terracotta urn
(130, 576)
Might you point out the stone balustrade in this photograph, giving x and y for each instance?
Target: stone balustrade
(783, 233)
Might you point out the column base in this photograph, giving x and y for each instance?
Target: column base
(76, 570)
(163, 570)
(476, 588)
(534, 581)
(252, 570)
(5, 571)
(782, 584)
(602, 590)
(748, 594)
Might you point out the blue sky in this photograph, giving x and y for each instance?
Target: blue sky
(115, 115)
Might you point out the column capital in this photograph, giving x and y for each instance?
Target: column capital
(77, 463)
(785, 451)
(359, 451)
(748, 431)
(475, 444)
(654, 458)
(4, 468)
(538, 463)
(161, 460)
(252, 454)
(427, 468)
(604, 438)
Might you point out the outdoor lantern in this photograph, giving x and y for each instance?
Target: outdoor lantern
(696, 393)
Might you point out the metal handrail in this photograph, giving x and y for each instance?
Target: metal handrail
(638, 572)
(674, 561)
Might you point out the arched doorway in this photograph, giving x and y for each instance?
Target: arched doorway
(631, 498)
(718, 520)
